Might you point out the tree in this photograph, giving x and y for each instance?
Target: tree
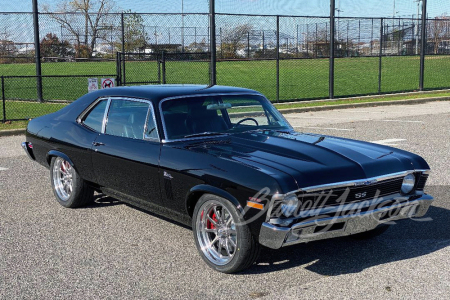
(135, 34)
(51, 46)
(7, 46)
(94, 14)
(233, 39)
(439, 31)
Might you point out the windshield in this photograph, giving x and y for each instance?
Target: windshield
(211, 115)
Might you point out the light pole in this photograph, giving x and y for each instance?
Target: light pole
(393, 15)
(417, 26)
(182, 25)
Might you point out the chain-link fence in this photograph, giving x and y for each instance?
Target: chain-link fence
(285, 57)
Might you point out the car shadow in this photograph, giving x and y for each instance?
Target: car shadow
(404, 240)
(101, 200)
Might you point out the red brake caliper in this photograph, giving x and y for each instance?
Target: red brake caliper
(209, 224)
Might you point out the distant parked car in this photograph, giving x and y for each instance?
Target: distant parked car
(226, 162)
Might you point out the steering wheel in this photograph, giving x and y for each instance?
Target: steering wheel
(247, 119)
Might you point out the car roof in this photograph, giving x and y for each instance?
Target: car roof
(156, 93)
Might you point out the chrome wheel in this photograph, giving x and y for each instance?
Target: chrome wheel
(216, 233)
(63, 178)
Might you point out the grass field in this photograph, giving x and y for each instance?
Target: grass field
(299, 79)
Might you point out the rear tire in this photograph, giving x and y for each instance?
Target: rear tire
(70, 189)
(371, 233)
(222, 238)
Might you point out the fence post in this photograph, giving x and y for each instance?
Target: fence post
(123, 77)
(423, 44)
(381, 56)
(159, 68)
(122, 25)
(37, 50)
(278, 58)
(212, 21)
(163, 64)
(332, 37)
(264, 43)
(118, 71)
(3, 99)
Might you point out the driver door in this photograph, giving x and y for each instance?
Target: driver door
(126, 155)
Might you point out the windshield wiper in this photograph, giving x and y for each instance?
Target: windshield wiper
(207, 133)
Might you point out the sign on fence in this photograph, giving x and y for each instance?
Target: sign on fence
(92, 85)
(108, 83)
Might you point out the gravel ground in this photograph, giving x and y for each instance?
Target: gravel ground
(110, 250)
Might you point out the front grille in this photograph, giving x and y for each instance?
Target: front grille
(353, 194)
(420, 185)
(348, 195)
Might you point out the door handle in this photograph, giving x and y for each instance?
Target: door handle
(95, 144)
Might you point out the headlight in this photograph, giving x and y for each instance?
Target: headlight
(408, 183)
(289, 205)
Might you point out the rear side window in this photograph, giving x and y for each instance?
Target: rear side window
(127, 118)
(94, 119)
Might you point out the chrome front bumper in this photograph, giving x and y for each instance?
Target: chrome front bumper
(326, 226)
(27, 147)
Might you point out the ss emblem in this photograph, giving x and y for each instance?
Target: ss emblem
(360, 195)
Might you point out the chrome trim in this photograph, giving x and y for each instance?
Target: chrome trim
(108, 106)
(373, 180)
(315, 211)
(352, 183)
(165, 140)
(146, 137)
(80, 118)
(424, 171)
(105, 115)
(275, 237)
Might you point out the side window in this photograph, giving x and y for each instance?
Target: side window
(127, 118)
(151, 131)
(94, 119)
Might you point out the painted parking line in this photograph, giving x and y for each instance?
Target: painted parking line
(388, 142)
(3, 169)
(402, 121)
(338, 129)
(328, 118)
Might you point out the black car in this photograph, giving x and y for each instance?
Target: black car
(224, 161)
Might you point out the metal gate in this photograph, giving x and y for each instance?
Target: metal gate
(138, 68)
(154, 68)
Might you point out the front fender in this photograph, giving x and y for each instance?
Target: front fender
(194, 192)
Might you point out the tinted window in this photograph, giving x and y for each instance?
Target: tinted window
(219, 114)
(94, 119)
(127, 118)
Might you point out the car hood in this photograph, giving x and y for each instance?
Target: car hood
(312, 159)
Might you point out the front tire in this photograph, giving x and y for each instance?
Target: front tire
(222, 238)
(70, 189)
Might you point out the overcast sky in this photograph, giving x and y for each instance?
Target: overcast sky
(350, 8)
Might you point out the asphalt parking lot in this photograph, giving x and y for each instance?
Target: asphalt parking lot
(110, 250)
